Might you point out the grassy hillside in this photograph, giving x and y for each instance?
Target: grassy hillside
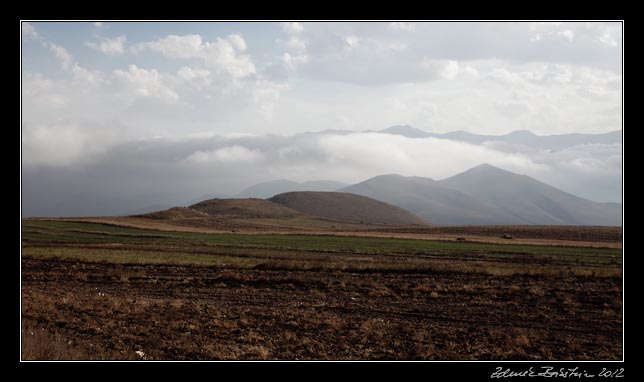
(251, 208)
(348, 207)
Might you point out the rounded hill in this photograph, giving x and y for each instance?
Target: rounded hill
(244, 208)
(347, 207)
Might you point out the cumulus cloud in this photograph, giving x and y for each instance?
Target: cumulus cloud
(223, 55)
(212, 97)
(113, 46)
(296, 43)
(69, 64)
(67, 144)
(226, 155)
(551, 31)
(470, 72)
(606, 39)
(403, 26)
(505, 76)
(351, 42)
(370, 44)
(28, 30)
(173, 46)
(144, 83)
(449, 70)
(201, 77)
(64, 57)
(292, 62)
(293, 27)
(485, 78)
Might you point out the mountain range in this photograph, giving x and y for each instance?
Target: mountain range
(519, 137)
(267, 189)
(487, 195)
(483, 195)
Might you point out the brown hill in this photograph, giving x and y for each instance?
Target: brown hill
(244, 208)
(347, 207)
(173, 213)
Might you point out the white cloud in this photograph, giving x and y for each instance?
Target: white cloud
(237, 42)
(596, 93)
(28, 30)
(193, 74)
(224, 55)
(553, 31)
(403, 26)
(212, 92)
(513, 109)
(567, 34)
(443, 69)
(450, 70)
(226, 155)
(174, 46)
(505, 76)
(487, 79)
(292, 62)
(293, 27)
(86, 76)
(144, 83)
(36, 89)
(146, 170)
(70, 65)
(114, 46)
(64, 57)
(351, 42)
(99, 24)
(606, 39)
(470, 72)
(296, 43)
(61, 145)
(435, 158)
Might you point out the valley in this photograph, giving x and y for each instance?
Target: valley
(97, 291)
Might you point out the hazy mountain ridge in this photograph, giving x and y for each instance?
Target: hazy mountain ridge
(345, 206)
(268, 189)
(487, 195)
(518, 137)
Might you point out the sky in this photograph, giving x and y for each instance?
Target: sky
(117, 115)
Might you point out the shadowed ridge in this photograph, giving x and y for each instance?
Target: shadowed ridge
(348, 207)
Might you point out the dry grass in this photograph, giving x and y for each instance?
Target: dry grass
(41, 344)
(198, 313)
(201, 296)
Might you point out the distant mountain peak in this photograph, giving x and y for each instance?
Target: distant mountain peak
(486, 194)
(273, 187)
(524, 133)
(402, 127)
(384, 176)
(330, 132)
(398, 178)
(487, 168)
(405, 130)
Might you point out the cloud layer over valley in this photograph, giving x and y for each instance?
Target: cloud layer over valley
(161, 171)
(122, 116)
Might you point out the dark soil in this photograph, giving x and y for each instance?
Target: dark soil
(171, 312)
